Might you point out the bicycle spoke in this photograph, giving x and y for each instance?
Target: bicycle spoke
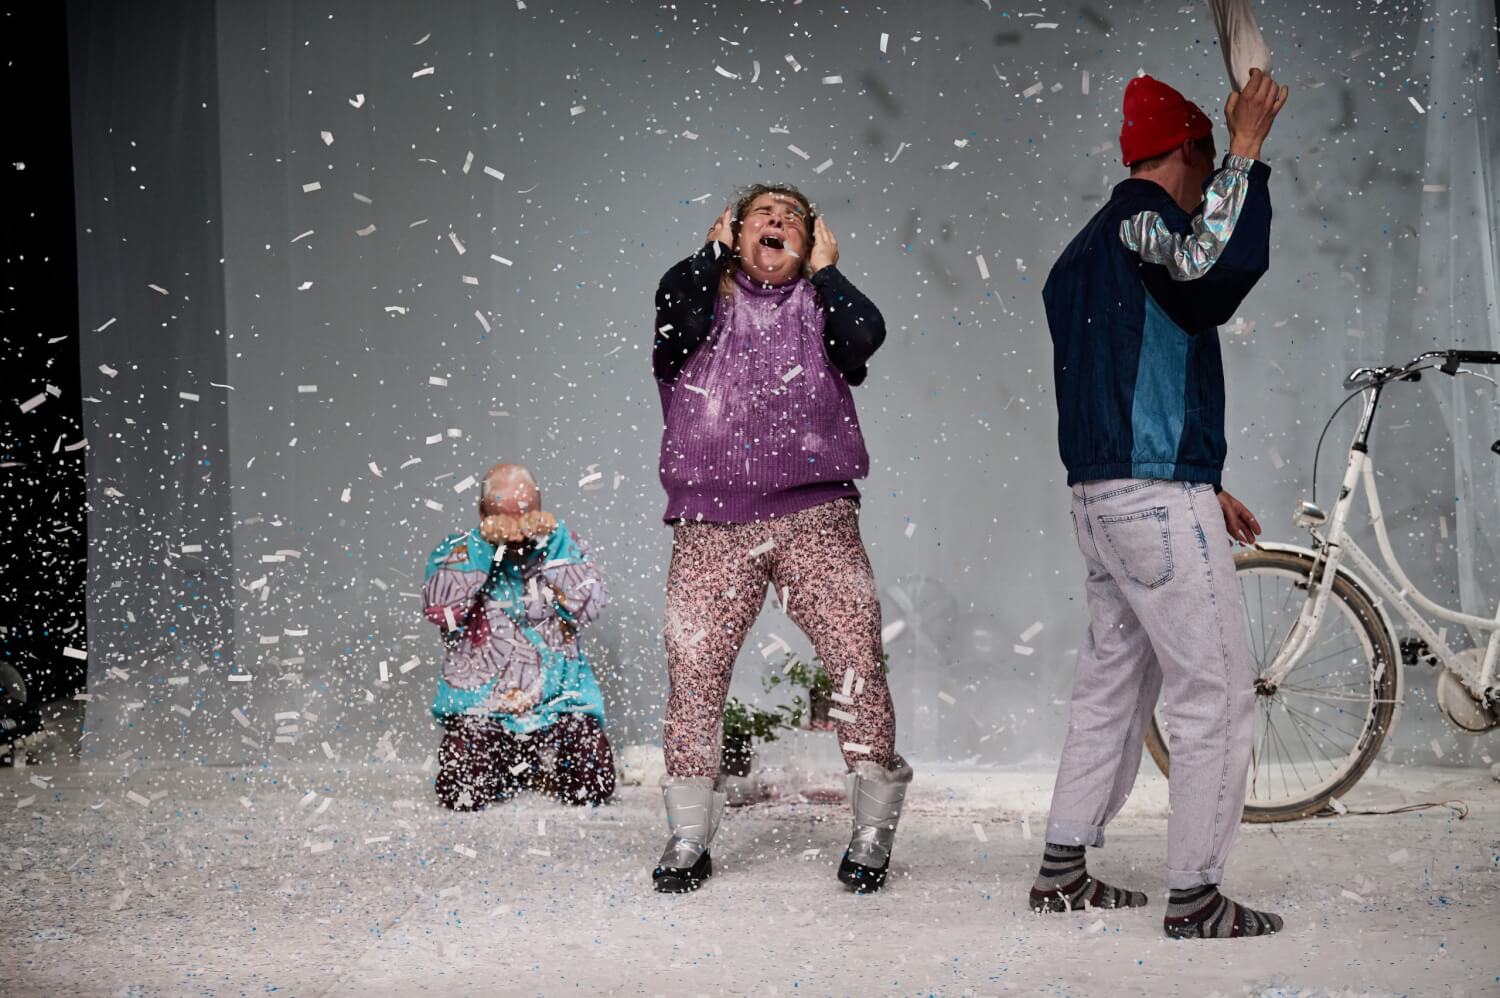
(1261, 598)
(1261, 752)
(1324, 658)
(1313, 719)
(1309, 746)
(1357, 679)
(1257, 654)
(1360, 682)
(1330, 697)
(1287, 755)
(1288, 762)
(1334, 765)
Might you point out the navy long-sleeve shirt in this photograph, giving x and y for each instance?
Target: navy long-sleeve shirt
(1132, 305)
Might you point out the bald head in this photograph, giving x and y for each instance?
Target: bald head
(509, 489)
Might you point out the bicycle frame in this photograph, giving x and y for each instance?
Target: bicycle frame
(1395, 590)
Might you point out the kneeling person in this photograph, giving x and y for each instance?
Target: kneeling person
(517, 696)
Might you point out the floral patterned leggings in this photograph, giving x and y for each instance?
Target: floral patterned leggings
(715, 590)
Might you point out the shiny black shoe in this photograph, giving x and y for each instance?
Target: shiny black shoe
(862, 879)
(671, 880)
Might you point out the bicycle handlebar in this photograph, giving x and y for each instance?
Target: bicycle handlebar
(1369, 377)
(1457, 357)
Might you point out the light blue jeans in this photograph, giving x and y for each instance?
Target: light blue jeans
(1165, 618)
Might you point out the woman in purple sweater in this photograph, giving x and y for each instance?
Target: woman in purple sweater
(758, 340)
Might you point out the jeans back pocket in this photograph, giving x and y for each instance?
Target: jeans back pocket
(1143, 542)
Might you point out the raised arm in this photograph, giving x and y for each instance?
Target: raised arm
(1201, 278)
(854, 329)
(685, 301)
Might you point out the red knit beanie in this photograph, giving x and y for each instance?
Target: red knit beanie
(1157, 120)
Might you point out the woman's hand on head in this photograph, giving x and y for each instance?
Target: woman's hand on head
(825, 248)
(723, 229)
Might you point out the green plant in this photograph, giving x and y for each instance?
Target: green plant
(811, 676)
(744, 720)
(747, 721)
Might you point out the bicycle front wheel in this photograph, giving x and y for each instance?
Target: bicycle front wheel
(1319, 729)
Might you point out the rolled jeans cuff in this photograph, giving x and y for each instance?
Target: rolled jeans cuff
(1181, 880)
(1075, 833)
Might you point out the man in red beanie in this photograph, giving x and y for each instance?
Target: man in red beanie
(1133, 304)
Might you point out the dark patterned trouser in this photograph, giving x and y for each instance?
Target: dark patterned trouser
(715, 590)
(570, 761)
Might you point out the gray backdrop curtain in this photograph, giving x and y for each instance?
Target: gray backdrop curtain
(283, 434)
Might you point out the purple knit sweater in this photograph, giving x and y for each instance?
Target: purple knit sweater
(760, 424)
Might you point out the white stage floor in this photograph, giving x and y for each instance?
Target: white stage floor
(182, 889)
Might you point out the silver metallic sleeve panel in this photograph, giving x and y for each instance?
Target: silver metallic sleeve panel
(1189, 257)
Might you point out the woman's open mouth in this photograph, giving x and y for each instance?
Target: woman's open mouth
(773, 242)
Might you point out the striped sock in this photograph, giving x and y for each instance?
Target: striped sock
(1064, 884)
(1204, 913)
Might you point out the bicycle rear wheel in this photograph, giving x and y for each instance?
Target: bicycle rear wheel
(1318, 731)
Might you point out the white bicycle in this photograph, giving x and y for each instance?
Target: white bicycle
(1329, 661)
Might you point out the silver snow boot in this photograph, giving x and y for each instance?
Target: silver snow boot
(694, 810)
(875, 796)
